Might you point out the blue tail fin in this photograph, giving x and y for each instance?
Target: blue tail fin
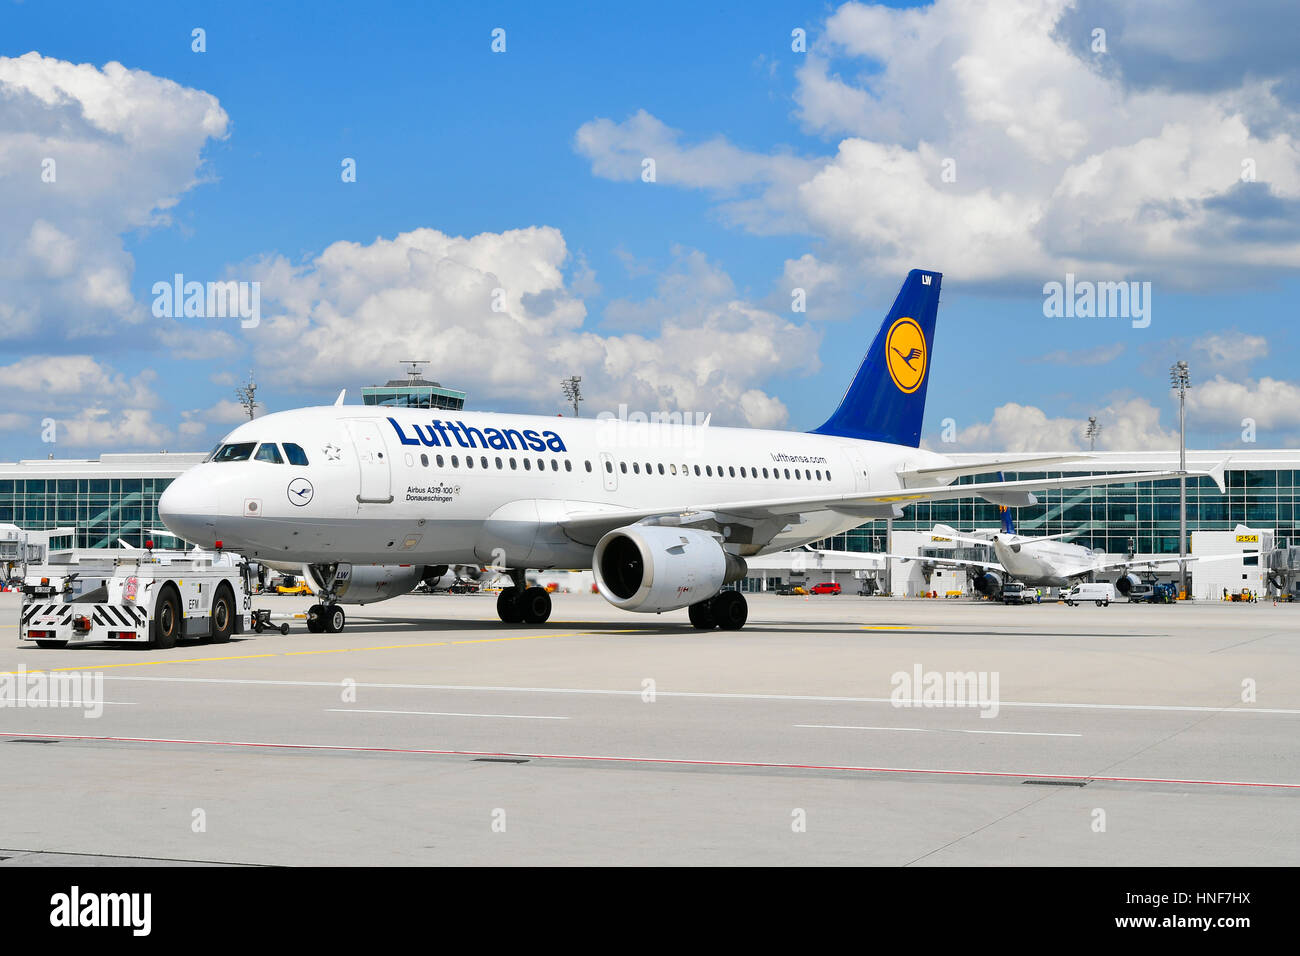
(1008, 523)
(886, 400)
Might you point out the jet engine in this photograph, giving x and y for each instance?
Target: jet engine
(989, 583)
(1126, 583)
(367, 583)
(652, 568)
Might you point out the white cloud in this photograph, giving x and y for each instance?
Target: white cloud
(90, 403)
(1231, 350)
(758, 186)
(39, 380)
(1271, 402)
(1126, 425)
(1058, 165)
(709, 350)
(100, 427)
(124, 145)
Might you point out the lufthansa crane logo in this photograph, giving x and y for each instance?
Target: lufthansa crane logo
(905, 354)
(300, 491)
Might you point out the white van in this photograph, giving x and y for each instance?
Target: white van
(1102, 593)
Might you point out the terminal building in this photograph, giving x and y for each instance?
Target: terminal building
(114, 499)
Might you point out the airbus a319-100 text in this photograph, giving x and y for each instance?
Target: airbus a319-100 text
(371, 500)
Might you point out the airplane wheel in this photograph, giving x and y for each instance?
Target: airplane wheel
(334, 619)
(702, 615)
(730, 610)
(534, 605)
(508, 607)
(316, 619)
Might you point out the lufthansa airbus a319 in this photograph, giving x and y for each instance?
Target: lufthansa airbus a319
(371, 500)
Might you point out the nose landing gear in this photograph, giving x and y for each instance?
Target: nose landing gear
(328, 617)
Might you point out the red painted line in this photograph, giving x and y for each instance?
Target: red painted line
(661, 760)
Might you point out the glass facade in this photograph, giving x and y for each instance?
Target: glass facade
(1142, 517)
(102, 509)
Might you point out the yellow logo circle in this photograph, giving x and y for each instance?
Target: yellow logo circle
(905, 354)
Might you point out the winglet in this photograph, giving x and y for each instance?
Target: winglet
(1217, 474)
(339, 400)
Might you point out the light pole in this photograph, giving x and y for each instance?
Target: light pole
(572, 387)
(1181, 380)
(245, 395)
(1091, 432)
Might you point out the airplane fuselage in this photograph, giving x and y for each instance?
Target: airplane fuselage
(415, 486)
(1043, 563)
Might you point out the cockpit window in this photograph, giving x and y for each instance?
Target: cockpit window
(212, 454)
(295, 454)
(240, 451)
(268, 452)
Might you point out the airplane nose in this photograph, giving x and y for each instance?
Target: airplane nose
(188, 509)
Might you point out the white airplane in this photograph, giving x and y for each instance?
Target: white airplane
(370, 499)
(1046, 561)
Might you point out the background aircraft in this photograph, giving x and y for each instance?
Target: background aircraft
(1044, 561)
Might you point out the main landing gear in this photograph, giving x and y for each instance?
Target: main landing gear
(520, 604)
(325, 618)
(727, 610)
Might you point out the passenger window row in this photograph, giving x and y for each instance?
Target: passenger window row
(484, 462)
(706, 471)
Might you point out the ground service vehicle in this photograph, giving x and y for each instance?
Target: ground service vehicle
(1013, 592)
(144, 597)
(1153, 593)
(1100, 593)
(826, 587)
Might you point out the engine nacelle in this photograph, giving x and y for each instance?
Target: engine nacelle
(652, 568)
(368, 583)
(1126, 583)
(990, 583)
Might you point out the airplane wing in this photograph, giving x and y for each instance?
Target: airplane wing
(1111, 566)
(587, 527)
(988, 542)
(950, 472)
(928, 559)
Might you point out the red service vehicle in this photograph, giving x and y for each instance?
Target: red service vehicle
(826, 587)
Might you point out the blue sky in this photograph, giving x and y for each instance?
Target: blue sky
(449, 136)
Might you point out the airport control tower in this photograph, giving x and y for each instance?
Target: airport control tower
(413, 392)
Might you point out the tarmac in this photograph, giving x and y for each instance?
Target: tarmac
(830, 730)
